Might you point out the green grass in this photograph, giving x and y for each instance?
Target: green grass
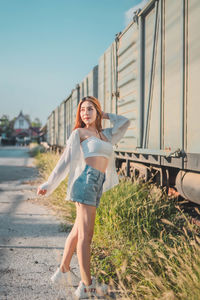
(35, 149)
(45, 163)
(143, 245)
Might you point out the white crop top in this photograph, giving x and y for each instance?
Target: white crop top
(93, 146)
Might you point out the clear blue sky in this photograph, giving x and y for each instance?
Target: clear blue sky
(48, 46)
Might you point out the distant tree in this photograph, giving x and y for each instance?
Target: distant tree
(36, 123)
(4, 121)
(12, 123)
(5, 126)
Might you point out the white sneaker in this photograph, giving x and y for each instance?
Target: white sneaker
(68, 277)
(94, 289)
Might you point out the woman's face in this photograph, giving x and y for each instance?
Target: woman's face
(88, 113)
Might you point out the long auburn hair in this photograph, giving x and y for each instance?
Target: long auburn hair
(79, 123)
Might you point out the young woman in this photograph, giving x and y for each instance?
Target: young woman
(88, 159)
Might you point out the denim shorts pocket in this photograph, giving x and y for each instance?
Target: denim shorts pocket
(92, 177)
(78, 186)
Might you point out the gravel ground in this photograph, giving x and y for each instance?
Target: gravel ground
(31, 242)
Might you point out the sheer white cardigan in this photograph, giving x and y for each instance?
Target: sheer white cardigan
(72, 161)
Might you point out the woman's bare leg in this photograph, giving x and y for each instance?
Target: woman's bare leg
(85, 221)
(70, 246)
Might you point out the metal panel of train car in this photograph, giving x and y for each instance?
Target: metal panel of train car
(52, 128)
(107, 81)
(68, 116)
(74, 103)
(56, 126)
(84, 88)
(101, 81)
(95, 82)
(82, 92)
(163, 84)
(48, 130)
(92, 83)
(62, 124)
(89, 85)
(151, 135)
(192, 21)
(173, 84)
(128, 102)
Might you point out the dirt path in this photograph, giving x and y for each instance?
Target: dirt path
(31, 242)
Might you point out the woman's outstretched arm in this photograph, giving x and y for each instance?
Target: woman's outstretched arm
(59, 173)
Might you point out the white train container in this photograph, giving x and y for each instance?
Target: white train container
(166, 89)
(89, 85)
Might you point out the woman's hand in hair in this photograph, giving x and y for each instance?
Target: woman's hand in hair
(104, 115)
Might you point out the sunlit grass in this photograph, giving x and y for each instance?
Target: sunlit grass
(35, 149)
(143, 245)
(46, 163)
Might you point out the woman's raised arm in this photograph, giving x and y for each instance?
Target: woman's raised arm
(120, 125)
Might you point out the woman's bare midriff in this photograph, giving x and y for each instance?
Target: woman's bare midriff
(98, 162)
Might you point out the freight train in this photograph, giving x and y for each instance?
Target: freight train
(150, 74)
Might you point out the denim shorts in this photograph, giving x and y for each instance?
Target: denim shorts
(88, 187)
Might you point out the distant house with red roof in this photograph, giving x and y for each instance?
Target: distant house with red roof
(21, 123)
(23, 131)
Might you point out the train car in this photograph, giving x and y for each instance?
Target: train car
(164, 138)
